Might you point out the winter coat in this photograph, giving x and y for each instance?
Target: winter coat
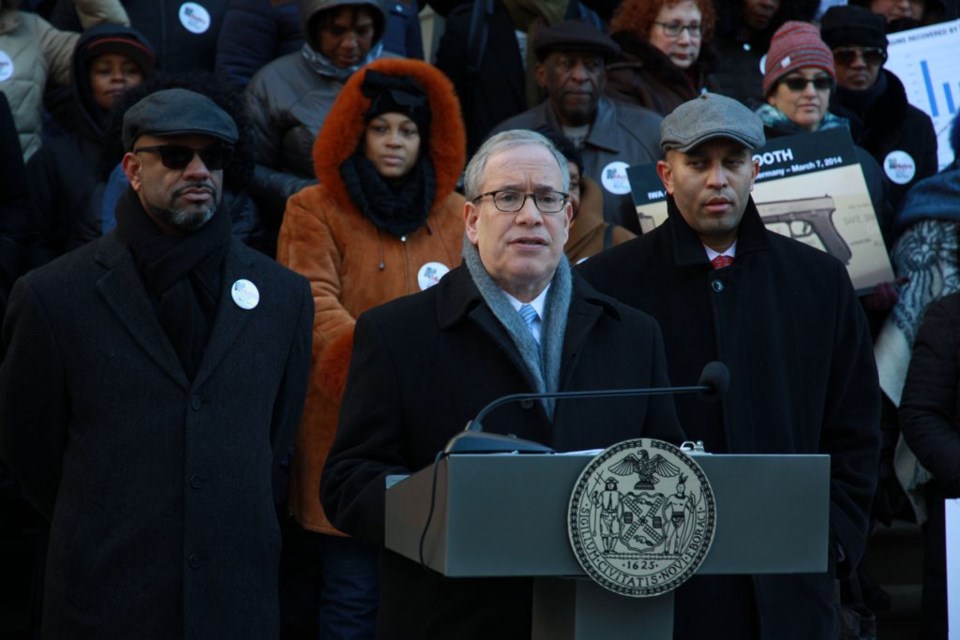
(647, 77)
(621, 136)
(183, 35)
(492, 87)
(63, 174)
(738, 73)
(891, 125)
(785, 320)
(930, 405)
(589, 233)
(32, 51)
(159, 489)
(15, 215)
(424, 366)
(254, 33)
(352, 265)
(287, 102)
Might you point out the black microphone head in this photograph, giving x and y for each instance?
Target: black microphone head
(716, 376)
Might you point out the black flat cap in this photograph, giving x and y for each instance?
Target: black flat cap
(574, 35)
(174, 112)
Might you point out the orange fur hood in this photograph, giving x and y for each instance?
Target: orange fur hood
(340, 135)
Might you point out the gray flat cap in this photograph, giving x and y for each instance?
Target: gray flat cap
(709, 116)
(174, 112)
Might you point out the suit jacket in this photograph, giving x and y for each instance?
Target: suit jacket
(159, 489)
(785, 320)
(424, 365)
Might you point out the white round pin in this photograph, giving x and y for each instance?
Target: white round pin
(6, 66)
(899, 167)
(245, 294)
(614, 178)
(194, 17)
(430, 274)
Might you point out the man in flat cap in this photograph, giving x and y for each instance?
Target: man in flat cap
(611, 136)
(151, 382)
(787, 323)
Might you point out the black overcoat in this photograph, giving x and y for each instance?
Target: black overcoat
(422, 367)
(159, 490)
(786, 321)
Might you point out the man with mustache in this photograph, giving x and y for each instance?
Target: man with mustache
(786, 321)
(513, 318)
(571, 70)
(152, 382)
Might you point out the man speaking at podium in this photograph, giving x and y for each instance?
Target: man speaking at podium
(785, 320)
(512, 318)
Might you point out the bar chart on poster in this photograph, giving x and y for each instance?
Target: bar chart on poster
(925, 60)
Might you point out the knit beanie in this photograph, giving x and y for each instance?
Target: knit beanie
(853, 26)
(396, 94)
(795, 45)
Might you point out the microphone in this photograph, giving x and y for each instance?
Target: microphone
(715, 380)
(712, 384)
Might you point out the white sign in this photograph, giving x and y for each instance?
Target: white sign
(925, 60)
(953, 567)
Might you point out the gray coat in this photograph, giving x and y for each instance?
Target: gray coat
(288, 101)
(620, 133)
(159, 490)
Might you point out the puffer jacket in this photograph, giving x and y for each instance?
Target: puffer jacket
(288, 101)
(31, 51)
(353, 266)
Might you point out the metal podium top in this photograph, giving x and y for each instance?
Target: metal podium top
(505, 514)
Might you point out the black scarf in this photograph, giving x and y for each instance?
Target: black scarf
(397, 209)
(182, 275)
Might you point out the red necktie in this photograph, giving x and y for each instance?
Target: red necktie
(722, 261)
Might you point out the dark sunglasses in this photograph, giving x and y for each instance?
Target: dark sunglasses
(178, 156)
(871, 55)
(820, 83)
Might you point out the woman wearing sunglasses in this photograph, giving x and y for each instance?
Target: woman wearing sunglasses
(898, 135)
(665, 58)
(383, 222)
(798, 81)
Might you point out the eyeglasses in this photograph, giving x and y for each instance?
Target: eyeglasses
(178, 156)
(674, 29)
(820, 83)
(872, 56)
(510, 201)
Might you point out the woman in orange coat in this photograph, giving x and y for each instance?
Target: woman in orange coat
(384, 221)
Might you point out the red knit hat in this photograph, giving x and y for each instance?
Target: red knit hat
(795, 45)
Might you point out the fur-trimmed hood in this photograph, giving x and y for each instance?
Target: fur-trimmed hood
(344, 126)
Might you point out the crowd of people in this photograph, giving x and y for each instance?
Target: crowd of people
(258, 255)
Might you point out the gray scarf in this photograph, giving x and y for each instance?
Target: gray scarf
(542, 361)
(322, 65)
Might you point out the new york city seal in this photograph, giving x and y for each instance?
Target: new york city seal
(641, 518)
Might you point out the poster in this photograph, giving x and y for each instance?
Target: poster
(925, 60)
(810, 188)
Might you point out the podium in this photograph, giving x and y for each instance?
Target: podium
(504, 515)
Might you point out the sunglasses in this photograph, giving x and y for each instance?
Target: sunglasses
(820, 83)
(872, 56)
(178, 156)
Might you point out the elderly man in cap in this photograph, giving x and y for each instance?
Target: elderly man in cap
(512, 319)
(786, 321)
(611, 136)
(151, 382)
